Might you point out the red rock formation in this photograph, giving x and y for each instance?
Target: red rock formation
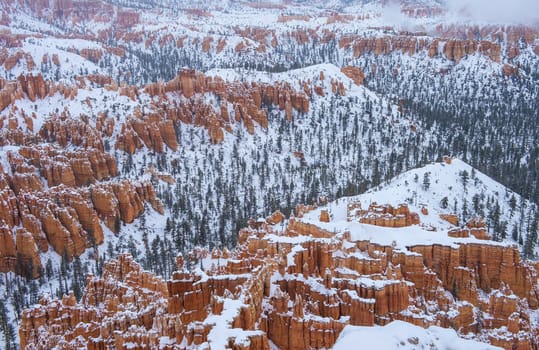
(509, 70)
(123, 283)
(121, 201)
(127, 19)
(71, 168)
(151, 130)
(248, 102)
(12, 61)
(289, 18)
(354, 73)
(63, 216)
(206, 44)
(475, 227)
(275, 218)
(451, 218)
(324, 216)
(386, 216)
(512, 52)
(220, 45)
(63, 129)
(93, 55)
(453, 49)
(33, 87)
(8, 251)
(99, 79)
(332, 281)
(55, 59)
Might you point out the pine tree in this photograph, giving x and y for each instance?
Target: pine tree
(464, 176)
(77, 282)
(426, 181)
(529, 245)
(514, 233)
(444, 203)
(7, 328)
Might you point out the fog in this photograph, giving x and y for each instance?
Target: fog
(391, 13)
(499, 11)
(491, 11)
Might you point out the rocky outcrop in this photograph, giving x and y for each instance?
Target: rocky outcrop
(92, 55)
(492, 265)
(297, 287)
(206, 44)
(324, 216)
(152, 131)
(275, 218)
(123, 282)
(69, 220)
(383, 215)
(34, 87)
(71, 168)
(8, 250)
(475, 227)
(241, 102)
(127, 19)
(452, 49)
(122, 201)
(354, 73)
(509, 70)
(451, 218)
(64, 130)
(66, 214)
(382, 45)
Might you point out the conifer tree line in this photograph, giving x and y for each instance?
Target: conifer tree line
(480, 116)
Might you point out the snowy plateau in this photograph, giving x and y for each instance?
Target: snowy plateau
(269, 174)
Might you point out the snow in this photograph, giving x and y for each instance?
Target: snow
(222, 329)
(403, 335)
(445, 179)
(445, 182)
(4, 163)
(290, 257)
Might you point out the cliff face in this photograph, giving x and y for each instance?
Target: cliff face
(71, 168)
(240, 102)
(32, 87)
(354, 73)
(452, 49)
(298, 287)
(123, 282)
(57, 198)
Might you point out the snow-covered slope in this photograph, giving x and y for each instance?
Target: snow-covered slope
(403, 335)
(435, 84)
(439, 189)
